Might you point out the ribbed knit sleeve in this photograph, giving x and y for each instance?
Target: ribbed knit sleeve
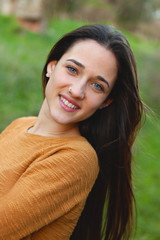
(49, 189)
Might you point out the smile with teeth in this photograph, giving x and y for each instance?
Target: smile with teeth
(68, 104)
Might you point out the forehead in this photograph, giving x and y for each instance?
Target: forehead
(87, 45)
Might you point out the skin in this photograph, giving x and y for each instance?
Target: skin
(90, 70)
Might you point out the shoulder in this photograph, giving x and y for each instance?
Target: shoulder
(79, 156)
(19, 123)
(80, 147)
(23, 121)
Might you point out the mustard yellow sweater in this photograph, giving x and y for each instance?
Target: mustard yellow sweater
(44, 183)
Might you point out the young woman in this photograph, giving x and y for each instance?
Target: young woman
(67, 173)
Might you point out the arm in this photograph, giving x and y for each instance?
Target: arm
(46, 191)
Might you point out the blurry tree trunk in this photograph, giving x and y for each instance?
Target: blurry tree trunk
(7, 7)
(34, 14)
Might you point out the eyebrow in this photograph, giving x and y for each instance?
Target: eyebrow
(82, 66)
(103, 80)
(76, 62)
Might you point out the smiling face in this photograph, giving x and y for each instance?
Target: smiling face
(80, 82)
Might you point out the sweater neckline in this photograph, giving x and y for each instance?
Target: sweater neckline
(31, 124)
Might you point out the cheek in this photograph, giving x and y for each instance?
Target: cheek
(93, 105)
(51, 85)
(95, 100)
(47, 92)
(49, 88)
(60, 79)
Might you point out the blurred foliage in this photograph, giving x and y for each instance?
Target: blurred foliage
(126, 13)
(147, 180)
(148, 60)
(130, 13)
(67, 6)
(22, 56)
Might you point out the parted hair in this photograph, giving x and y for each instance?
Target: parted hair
(109, 210)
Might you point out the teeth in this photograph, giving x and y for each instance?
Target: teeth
(68, 104)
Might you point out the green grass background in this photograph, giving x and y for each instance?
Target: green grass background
(22, 56)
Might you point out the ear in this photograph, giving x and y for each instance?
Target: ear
(50, 67)
(106, 103)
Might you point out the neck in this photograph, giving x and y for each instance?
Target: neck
(46, 126)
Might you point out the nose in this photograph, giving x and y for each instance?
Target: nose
(77, 90)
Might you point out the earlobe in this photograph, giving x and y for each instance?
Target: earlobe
(106, 103)
(50, 67)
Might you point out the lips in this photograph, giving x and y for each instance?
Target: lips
(68, 104)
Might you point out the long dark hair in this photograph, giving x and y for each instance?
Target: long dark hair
(108, 213)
